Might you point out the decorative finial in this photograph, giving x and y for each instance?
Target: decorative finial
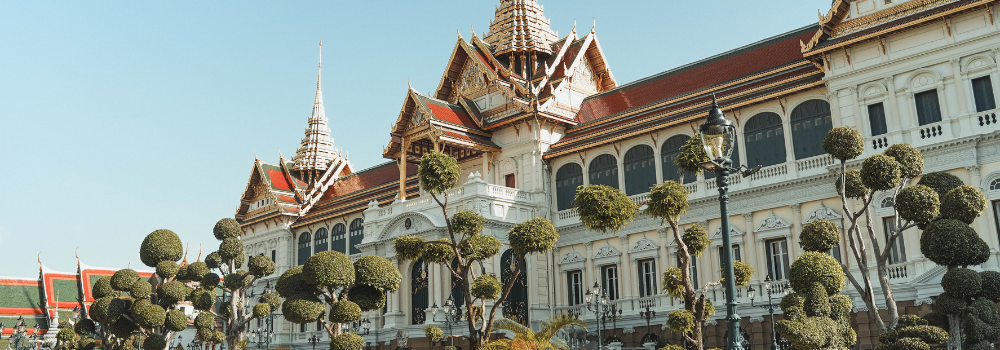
(408, 86)
(281, 156)
(459, 31)
(39, 261)
(255, 156)
(199, 245)
(594, 25)
(574, 26)
(714, 105)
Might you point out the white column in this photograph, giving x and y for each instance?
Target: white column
(658, 162)
(793, 246)
(899, 123)
(625, 281)
(590, 263)
(856, 109)
(834, 101)
(996, 75)
(786, 126)
(956, 71)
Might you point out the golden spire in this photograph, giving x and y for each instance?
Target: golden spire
(520, 25)
(316, 150)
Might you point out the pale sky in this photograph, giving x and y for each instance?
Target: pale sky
(118, 118)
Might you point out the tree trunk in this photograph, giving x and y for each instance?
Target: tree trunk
(955, 332)
(892, 312)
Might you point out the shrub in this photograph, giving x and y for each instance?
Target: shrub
(65, 335)
(910, 344)
(210, 281)
(174, 291)
(844, 143)
(467, 223)
(941, 182)
(227, 228)
(819, 236)
(918, 203)
(160, 245)
(204, 320)
(433, 333)
(949, 305)
(344, 311)
(817, 303)
(855, 187)
(692, 153)
(911, 161)
(231, 248)
(367, 297)
(176, 320)
(302, 309)
(347, 341)
(991, 285)
(270, 298)
(480, 247)
(964, 203)
(154, 341)
(438, 172)
(604, 208)
(962, 282)
(696, 239)
(237, 280)
(533, 236)
(927, 334)
(742, 272)
(880, 172)
(950, 242)
(328, 269)
(439, 251)
(203, 299)
(377, 272)
(213, 260)
(486, 287)
(261, 309)
(85, 327)
(813, 267)
(681, 321)
(671, 282)
(166, 269)
(667, 200)
(123, 279)
(102, 288)
(197, 270)
(292, 283)
(140, 290)
(260, 266)
(408, 247)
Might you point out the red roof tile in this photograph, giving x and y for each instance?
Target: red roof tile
(278, 179)
(381, 174)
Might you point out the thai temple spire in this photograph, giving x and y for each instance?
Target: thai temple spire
(520, 26)
(317, 151)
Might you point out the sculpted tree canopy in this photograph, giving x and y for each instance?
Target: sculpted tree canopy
(604, 208)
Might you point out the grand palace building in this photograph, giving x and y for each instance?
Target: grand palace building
(531, 116)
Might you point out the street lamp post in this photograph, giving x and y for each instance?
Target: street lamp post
(769, 307)
(597, 302)
(718, 137)
(451, 316)
(648, 315)
(313, 340)
(614, 314)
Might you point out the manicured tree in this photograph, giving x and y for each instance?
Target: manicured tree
(912, 332)
(817, 316)
(348, 289)
(968, 304)
(129, 307)
(915, 206)
(234, 283)
(464, 246)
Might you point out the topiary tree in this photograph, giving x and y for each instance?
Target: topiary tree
(465, 246)
(817, 316)
(914, 206)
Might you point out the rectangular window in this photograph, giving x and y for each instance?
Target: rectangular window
(898, 252)
(736, 255)
(982, 90)
(692, 271)
(876, 118)
(928, 109)
(996, 214)
(647, 277)
(777, 258)
(302, 327)
(835, 253)
(274, 256)
(574, 279)
(509, 180)
(609, 278)
(319, 326)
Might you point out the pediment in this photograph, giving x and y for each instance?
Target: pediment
(823, 213)
(643, 244)
(606, 251)
(572, 257)
(772, 222)
(733, 231)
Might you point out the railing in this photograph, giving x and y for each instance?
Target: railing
(692, 187)
(508, 193)
(988, 119)
(651, 301)
(814, 162)
(639, 199)
(930, 132)
(771, 171)
(734, 179)
(568, 213)
(879, 143)
(898, 271)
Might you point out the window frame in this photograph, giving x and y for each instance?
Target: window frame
(754, 153)
(897, 254)
(937, 100)
(808, 140)
(871, 126)
(574, 287)
(784, 257)
(991, 96)
(611, 282)
(668, 169)
(304, 238)
(355, 231)
(646, 169)
(338, 238)
(646, 274)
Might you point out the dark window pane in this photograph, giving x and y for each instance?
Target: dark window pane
(668, 152)
(339, 238)
(604, 171)
(639, 171)
(357, 235)
(320, 243)
(982, 90)
(876, 118)
(808, 141)
(568, 178)
(305, 247)
(768, 146)
(928, 109)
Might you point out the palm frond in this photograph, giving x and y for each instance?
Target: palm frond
(553, 325)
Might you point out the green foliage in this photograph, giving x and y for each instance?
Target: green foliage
(204, 320)
(533, 236)
(302, 309)
(949, 305)
(844, 143)
(962, 282)
(174, 291)
(65, 335)
(743, 272)
(937, 319)
(237, 280)
(270, 298)
(855, 187)
(814, 267)
(231, 248)
(102, 288)
(328, 269)
(86, 343)
(438, 172)
(911, 161)
(377, 272)
(439, 251)
(154, 341)
(709, 309)
(123, 279)
(166, 269)
(261, 309)
(181, 272)
(213, 260)
(941, 182)
(150, 316)
(910, 321)
(671, 347)
(347, 341)
(205, 334)
(261, 266)
(293, 283)
(203, 299)
(809, 333)
(667, 200)
(991, 285)
(681, 321)
(85, 327)
(408, 247)
(918, 203)
(910, 344)
(981, 324)
(344, 311)
(817, 303)
(227, 228)
(433, 333)
(210, 281)
(819, 236)
(880, 172)
(696, 239)
(927, 334)
(175, 321)
(951, 242)
(841, 307)
(480, 247)
(604, 208)
(964, 203)
(367, 297)
(486, 287)
(672, 282)
(160, 245)
(99, 309)
(140, 290)
(692, 153)
(197, 270)
(467, 223)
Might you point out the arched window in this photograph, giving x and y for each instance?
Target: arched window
(305, 250)
(640, 169)
(418, 287)
(810, 122)
(516, 305)
(995, 185)
(765, 140)
(357, 235)
(668, 151)
(339, 238)
(604, 171)
(320, 243)
(568, 178)
(886, 203)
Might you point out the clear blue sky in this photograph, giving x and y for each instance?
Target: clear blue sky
(118, 118)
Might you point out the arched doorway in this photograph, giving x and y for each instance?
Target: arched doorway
(418, 295)
(516, 305)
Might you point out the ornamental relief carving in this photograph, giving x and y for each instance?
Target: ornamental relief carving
(472, 78)
(606, 251)
(571, 257)
(643, 245)
(823, 213)
(772, 222)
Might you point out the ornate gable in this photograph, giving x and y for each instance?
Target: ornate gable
(733, 231)
(643, 244)
(572, 257)
(772, 222)
(606, 251)
(823, 213)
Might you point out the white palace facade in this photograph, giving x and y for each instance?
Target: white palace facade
(531, 115)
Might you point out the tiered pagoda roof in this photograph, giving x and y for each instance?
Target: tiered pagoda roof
(316, 152)
(520, 26)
